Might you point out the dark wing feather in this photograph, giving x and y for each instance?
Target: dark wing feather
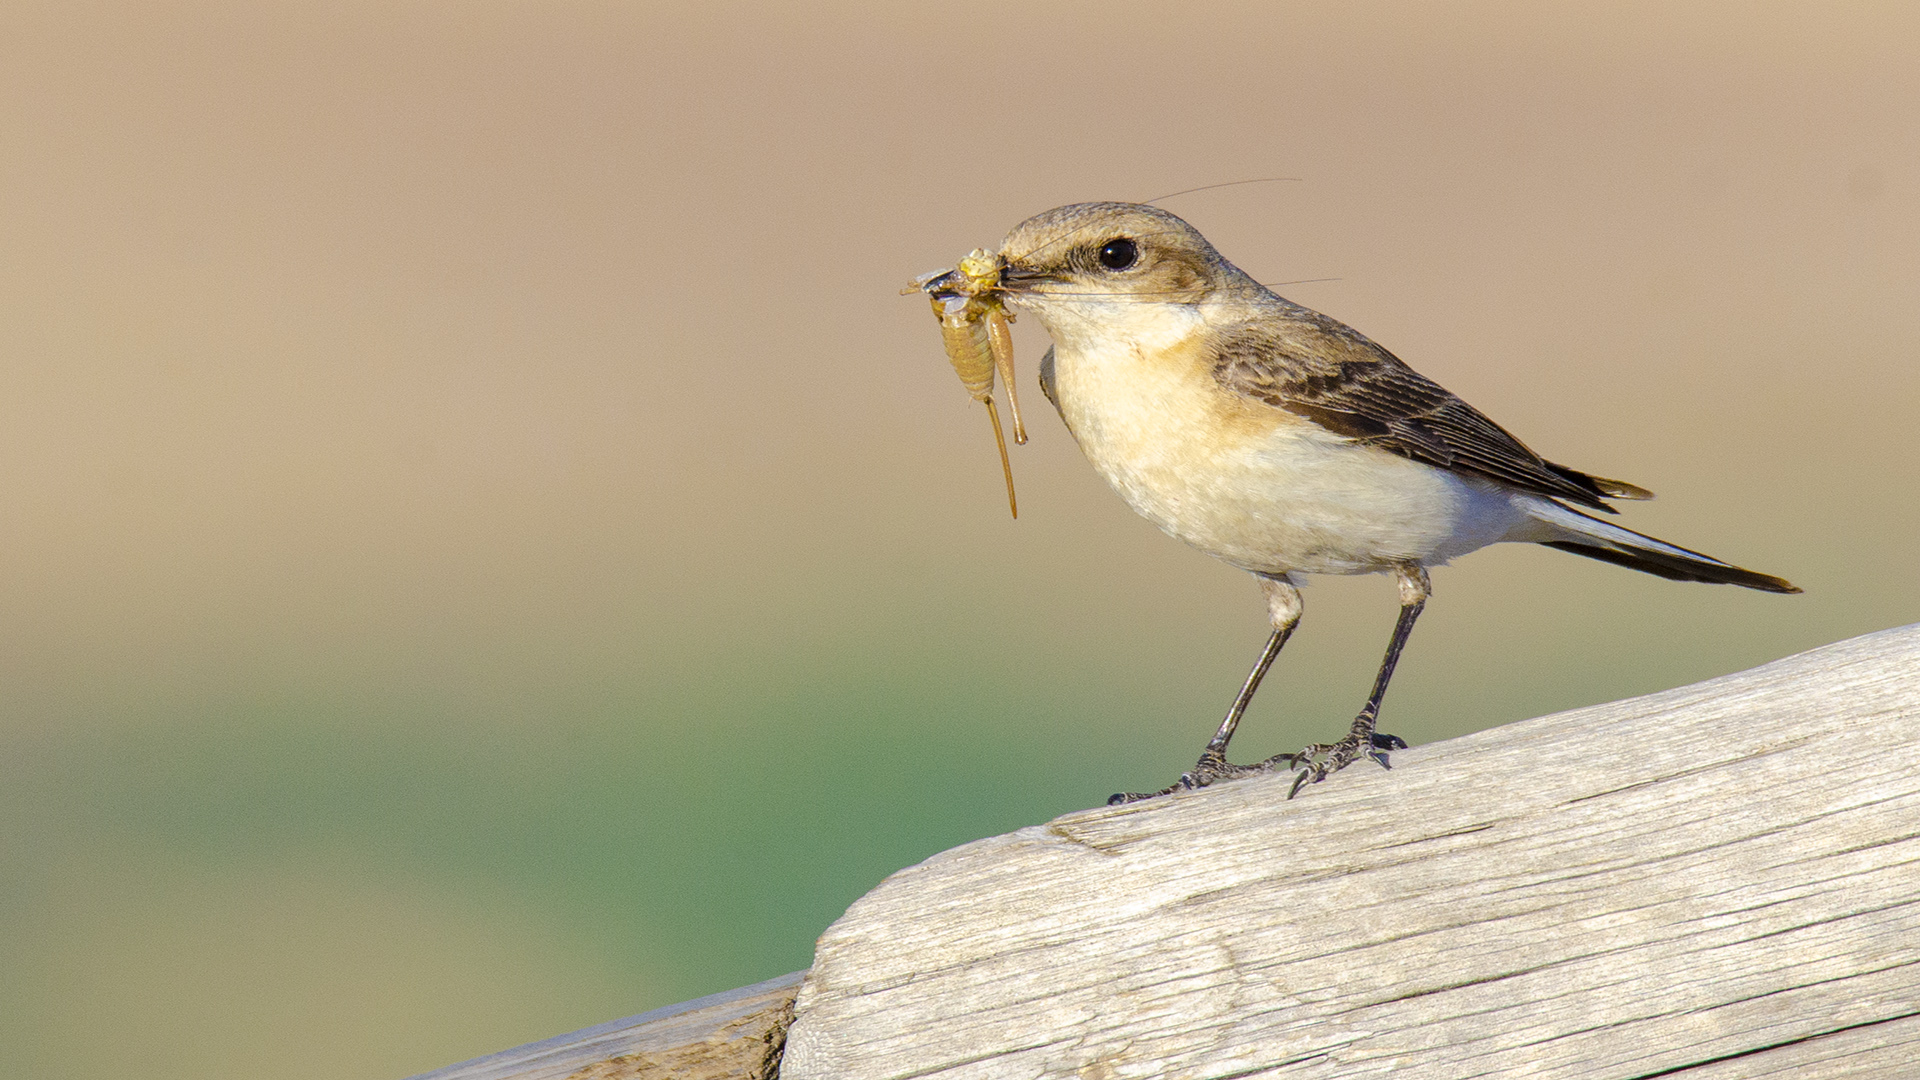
(1046, 381)
(1327, 372)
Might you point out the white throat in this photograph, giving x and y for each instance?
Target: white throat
(1100, 324)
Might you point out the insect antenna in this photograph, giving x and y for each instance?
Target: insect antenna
(1229, 183)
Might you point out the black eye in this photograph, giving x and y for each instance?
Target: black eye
(1119, 254)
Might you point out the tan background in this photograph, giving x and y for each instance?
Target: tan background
(487, 551)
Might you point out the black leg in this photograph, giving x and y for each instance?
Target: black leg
(1283, 609)
(1317, 761)
(1217, 746)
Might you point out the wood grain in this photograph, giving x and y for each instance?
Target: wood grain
(735, 1035)
(1713, 882)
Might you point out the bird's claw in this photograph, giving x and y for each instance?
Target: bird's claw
(1212, 768)
(1313, 763)
(1316, 762)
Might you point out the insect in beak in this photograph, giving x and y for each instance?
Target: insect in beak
(975, 327)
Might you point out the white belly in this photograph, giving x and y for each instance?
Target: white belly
(1257, 486)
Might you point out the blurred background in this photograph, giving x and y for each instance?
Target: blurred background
(488, 550)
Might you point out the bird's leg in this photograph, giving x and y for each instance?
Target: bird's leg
(1320, 759)
(1283, 611)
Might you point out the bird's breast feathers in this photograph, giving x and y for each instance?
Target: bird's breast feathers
(1251, 483)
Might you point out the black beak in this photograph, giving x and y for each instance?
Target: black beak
(1017, 278)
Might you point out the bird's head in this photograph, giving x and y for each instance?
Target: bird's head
(1104, 266)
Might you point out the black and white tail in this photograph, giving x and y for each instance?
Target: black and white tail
(1596, 539)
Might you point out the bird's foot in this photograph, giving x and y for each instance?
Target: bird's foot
(1320, 760)
(1212, 768)
(1315, 763)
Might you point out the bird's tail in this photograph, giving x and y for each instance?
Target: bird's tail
(1571, 530)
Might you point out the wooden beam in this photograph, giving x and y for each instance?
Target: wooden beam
(735, 1035)
(1712, 882)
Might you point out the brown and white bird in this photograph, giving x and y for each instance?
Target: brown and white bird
(1286, 443)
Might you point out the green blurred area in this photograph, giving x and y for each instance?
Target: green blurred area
(490, 552)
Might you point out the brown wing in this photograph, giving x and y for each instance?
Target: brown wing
(1321, 369)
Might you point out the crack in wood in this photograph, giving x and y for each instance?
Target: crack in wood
(1782, 1044)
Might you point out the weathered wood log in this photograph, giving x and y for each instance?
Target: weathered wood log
(1712, 882)
(731, 1036)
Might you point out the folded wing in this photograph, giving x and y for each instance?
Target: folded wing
(1324, 371)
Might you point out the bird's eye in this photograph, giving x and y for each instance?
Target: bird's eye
(1119, 254)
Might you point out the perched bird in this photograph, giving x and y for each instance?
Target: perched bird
(1286, 443)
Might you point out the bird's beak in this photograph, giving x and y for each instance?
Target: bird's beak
(1018, 278)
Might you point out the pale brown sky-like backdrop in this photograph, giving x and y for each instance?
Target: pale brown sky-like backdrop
(488, 551)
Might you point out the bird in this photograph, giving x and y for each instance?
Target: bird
(1287, 444)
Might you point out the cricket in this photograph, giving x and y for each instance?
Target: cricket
(974, 327)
